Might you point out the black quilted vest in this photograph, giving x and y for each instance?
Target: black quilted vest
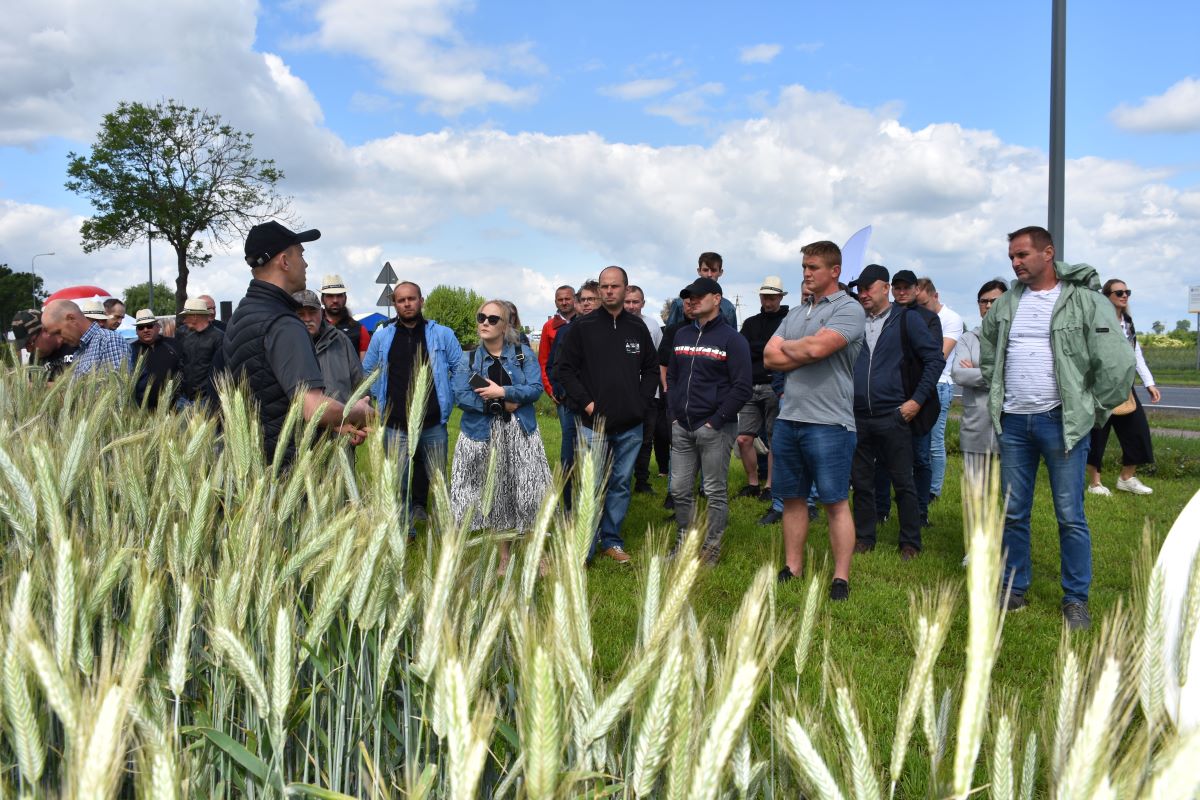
(352, 328)
(246, 356)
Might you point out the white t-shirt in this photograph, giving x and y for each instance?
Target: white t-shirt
(952, 328)
(1029, 384)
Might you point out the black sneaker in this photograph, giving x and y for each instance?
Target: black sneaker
(1014, 602)
(644, 488)
(771, 517)
(765, 495)
(1077, 616)
(669, 501)
(786, 574)
(750, 490)
(839, 590)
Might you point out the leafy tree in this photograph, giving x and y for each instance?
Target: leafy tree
(18, 290)
(1158, 327)
(138, 297)
(455, 307)
(178, 172)
(1183, 326)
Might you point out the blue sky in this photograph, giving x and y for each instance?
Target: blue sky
(713, 126)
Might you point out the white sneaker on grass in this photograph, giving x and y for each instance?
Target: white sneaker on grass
(1134, 486)
(1100, 489)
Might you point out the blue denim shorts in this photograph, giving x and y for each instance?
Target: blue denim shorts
(807, 455)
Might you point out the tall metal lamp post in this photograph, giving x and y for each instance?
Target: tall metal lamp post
(33, 270)
(1058, 96)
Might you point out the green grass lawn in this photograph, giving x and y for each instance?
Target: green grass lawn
(867, 638)
(1182, 421)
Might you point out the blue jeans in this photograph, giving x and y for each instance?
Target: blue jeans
(1024, 440)
(622, 452)
(430, 456)
(568, 423)
(811, 457)
(937, 442)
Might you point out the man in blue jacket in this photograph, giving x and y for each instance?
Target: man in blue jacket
(883, 407)
(401, 348)
(708, 382)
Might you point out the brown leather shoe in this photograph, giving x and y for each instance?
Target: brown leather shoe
(617, 554)
(863, 547)
(908, 552)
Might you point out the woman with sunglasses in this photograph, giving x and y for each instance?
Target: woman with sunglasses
(496, 387)
(976, 435)
(1133, 431)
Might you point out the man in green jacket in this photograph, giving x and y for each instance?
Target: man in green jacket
(1056, 365)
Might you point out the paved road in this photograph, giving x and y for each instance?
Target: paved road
(1176, 397)
(1179, 398)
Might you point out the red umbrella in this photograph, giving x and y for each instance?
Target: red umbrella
(78, 293)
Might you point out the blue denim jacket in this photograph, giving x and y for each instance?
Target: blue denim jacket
(526, 387)
(444, 356)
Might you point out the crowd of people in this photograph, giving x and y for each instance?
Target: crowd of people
(846, 394)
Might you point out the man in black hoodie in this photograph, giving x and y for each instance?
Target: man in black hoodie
(607, 366)
(757, 417)
(708, 381)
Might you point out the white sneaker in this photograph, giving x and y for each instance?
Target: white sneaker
(1134, 486)
(1101, 489)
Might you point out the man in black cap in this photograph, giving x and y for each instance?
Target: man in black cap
(267, 345)
(708, 382)
(884, 407)
(904, 294)
(45, 349)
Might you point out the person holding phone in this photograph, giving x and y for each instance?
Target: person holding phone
(496, 387)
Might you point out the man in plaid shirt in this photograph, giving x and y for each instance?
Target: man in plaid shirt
(97, 347)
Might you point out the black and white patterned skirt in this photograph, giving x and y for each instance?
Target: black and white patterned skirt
(522, 477)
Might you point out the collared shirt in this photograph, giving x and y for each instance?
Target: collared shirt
(100, 348)
(823, 392)
(875, 325)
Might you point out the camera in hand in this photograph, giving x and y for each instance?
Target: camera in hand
(495, 406)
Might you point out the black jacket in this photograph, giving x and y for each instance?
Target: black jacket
(199, 349)
(610, 361)
(161, 361)
(758, 330)
(879, 374)
(708, 377)
(245, 355)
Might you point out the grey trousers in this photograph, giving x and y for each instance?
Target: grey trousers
(707, 451)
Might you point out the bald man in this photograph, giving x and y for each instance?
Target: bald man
(97, 348)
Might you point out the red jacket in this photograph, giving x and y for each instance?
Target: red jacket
(549, 331)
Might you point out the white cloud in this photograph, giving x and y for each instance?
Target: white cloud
(806, 166)
(639, 89)
(418, 50)
(759, 53)
(688, 107)
(1177, 110)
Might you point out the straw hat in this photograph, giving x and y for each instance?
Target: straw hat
(333, 284)
(93, 309)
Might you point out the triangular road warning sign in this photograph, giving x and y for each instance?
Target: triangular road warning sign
(387, 275)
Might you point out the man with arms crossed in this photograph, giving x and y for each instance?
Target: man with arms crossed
(1056, 364)
(813, 442)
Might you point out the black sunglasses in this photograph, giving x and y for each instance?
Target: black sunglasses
(985, 301)
(490, 319)
(1122, 292)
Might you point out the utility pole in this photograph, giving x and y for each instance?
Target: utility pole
(1058, 96)
(150, 265)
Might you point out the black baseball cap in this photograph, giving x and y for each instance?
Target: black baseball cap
(25, 325)
(701, 287)
(905, 276)
(269, 239)
(870, 274)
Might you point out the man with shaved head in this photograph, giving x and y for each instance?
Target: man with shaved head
(97, 348)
